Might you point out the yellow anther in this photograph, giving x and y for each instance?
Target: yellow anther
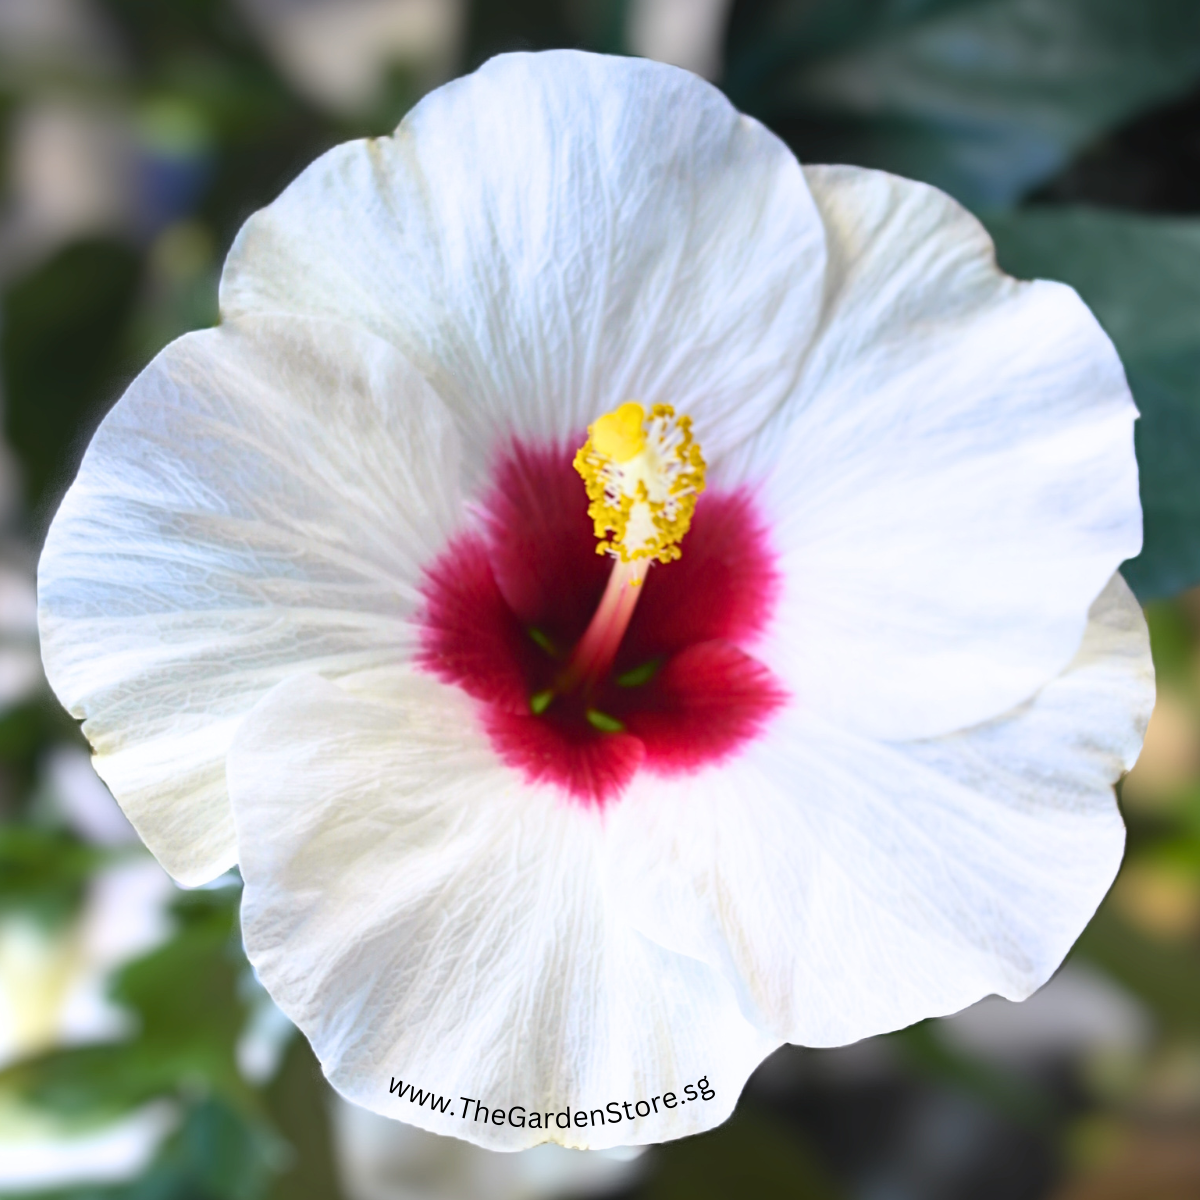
(643, 474)
(620, 435)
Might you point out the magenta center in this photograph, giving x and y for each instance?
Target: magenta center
(506, 606)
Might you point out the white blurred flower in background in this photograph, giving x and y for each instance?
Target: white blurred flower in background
(39, 35)
(338, 52)
(1081, 1012)
(53, 992)
(36, 1153)
(77, 795)
(20, 662)
(381, 1159)
(70, 156)
(265, 1038)
(70, 176)
(684, 33)
(53, 981)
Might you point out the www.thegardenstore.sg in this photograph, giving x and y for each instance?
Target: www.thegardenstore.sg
(522, 1117)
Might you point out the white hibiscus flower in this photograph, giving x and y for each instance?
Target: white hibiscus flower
(320, 587)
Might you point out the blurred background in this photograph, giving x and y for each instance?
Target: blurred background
(139, 1058)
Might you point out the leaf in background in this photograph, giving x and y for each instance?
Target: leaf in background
(185, 997)
(1171, 644)
(984, 98)
(218, 1154)
(298, 1102)
(496, 26)
(43, 873)
(1141, 277)
(602, 24)
(190, 1011)
(1165, 976)
(25, 731)
(60, 349)
(1150, 165)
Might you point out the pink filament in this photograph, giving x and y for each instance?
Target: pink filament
(596, 650)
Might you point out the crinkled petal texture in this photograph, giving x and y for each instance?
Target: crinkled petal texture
(552, 235)
(955, 477)
(261, 501)
(951, 454)
(442, 935)
(434, 924)
(848, 886)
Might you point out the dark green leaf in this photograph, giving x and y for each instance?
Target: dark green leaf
(61, 351)
(496, 26)
(44, 872)
(984, 98)
(25, 730)
(1141, 277)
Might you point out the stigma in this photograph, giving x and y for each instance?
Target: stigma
(643, 474)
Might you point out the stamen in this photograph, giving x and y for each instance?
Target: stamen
(643, 475)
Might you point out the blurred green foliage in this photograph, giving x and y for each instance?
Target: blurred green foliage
(1000, 102)
(185, 998)
(984, 98)
(44, 872)
(62, 357)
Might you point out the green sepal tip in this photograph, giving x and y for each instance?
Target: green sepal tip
(541, 639)
(603, 721)
(639, 675)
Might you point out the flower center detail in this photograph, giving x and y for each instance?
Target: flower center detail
(642, 475)
(592, 667)
(642, 478)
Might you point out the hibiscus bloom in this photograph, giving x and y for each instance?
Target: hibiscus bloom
(544, 843)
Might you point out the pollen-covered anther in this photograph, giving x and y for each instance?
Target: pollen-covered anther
(643, 474)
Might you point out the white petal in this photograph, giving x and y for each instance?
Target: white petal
(261, 499)
(423, 917)
(553, 235)
(957, 480)
(850, 887)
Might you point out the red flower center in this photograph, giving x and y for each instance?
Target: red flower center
(505, 606)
